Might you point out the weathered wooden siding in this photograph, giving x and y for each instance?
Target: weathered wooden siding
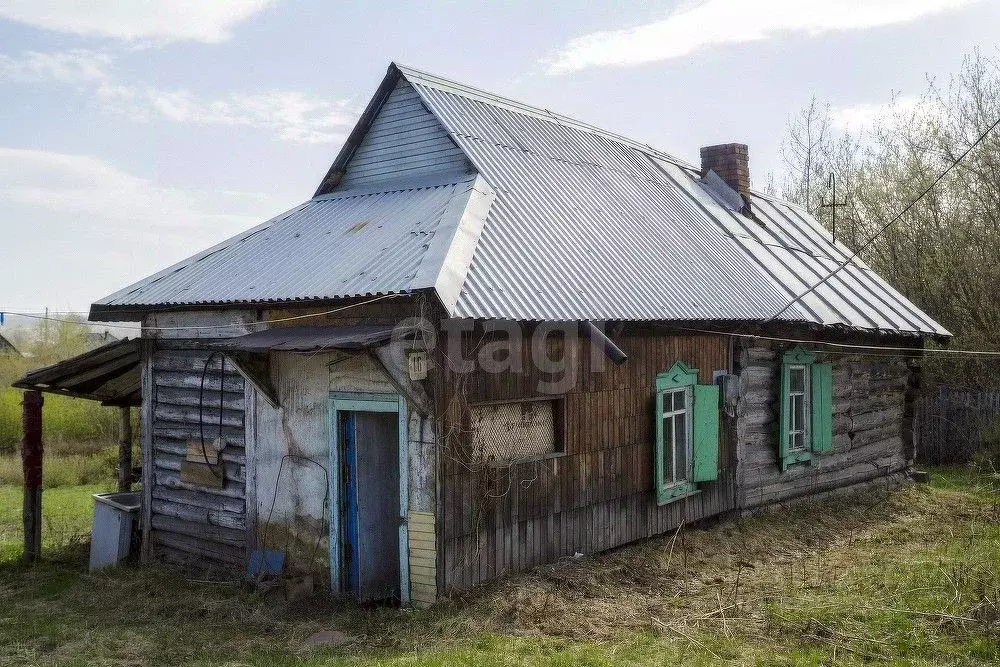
(872, 407)
(405, 140)
(191, 524)
(597, 494)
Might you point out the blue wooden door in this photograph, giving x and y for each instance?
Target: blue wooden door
(352, 560)
(371, 505)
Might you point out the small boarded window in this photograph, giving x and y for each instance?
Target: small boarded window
(504, 432)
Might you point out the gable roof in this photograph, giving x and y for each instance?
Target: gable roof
(573, 223)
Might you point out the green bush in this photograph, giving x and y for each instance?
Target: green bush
(69, 425)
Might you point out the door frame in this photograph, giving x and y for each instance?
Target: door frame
(368, 402)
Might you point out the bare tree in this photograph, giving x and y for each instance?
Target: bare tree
(805, 152)
(944, 254)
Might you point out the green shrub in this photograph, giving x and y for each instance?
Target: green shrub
(70, 425)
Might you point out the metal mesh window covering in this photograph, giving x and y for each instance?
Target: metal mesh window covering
(511, 431)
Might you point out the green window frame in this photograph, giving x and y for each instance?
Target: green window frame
(687, 433)
(806, 399)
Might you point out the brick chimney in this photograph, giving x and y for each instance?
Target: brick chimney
(731, 162)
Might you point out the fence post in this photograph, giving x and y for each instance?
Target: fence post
(31, 461)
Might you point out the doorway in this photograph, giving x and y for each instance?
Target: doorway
(368, 559)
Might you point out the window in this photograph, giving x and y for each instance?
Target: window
(798, 382)
(806, 407)
(687, 433)
(676, 435)
(516, 430)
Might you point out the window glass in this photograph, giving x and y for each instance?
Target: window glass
(797, 379)
(680, 426)
(668, 449)
(798, 407)
(676, 422)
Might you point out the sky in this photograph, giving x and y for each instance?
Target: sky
(135, 134)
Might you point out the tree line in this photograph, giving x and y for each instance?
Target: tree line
(944, 253)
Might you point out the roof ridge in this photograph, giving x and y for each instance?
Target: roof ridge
(456, 87)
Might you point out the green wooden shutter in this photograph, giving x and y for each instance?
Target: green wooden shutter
(822, 407)
(706, 433)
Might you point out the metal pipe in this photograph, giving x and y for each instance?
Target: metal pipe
(613, 352)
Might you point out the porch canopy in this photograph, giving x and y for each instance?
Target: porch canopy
(109, 374)
(313, 339)
(250, 352)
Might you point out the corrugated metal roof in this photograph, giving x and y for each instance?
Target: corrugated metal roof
(564, 222)
(109, 374)
(591, 225)
(352, 243)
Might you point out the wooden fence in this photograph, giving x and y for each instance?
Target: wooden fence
(949, 426)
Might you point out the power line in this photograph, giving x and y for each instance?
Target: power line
(133, 327)
(891, 222)
(846, 346)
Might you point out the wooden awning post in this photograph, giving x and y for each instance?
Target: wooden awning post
(31, 461)
(125, 450)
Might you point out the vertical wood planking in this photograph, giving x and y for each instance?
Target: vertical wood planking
(599, 493)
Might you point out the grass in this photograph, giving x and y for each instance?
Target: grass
(65, 470)
(909, 577)
(66, 514)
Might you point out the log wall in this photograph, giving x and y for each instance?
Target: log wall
(872, 437)
(192, 524)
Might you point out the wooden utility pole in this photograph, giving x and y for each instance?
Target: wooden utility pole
(125, 450)
(31, 461)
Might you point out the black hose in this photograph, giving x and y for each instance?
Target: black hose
(201, 412)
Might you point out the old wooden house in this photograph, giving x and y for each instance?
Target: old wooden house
(497, 336)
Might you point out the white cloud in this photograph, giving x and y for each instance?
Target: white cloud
(860, 116)
(136, 20)
(716, 22)
(80, 184)
(288, 115)
(73, 67)
(90, 227)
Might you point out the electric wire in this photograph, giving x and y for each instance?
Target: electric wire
(214, 326)
(846, 346)
(201, 413)
(886, 226)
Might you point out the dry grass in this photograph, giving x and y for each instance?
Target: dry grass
(908, 577)
(867, 575)
(65, 470)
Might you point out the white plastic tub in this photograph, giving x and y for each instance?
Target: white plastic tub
(115, 516)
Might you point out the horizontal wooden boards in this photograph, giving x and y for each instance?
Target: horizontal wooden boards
(405, 139)
(422, 557)
(193, 523)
